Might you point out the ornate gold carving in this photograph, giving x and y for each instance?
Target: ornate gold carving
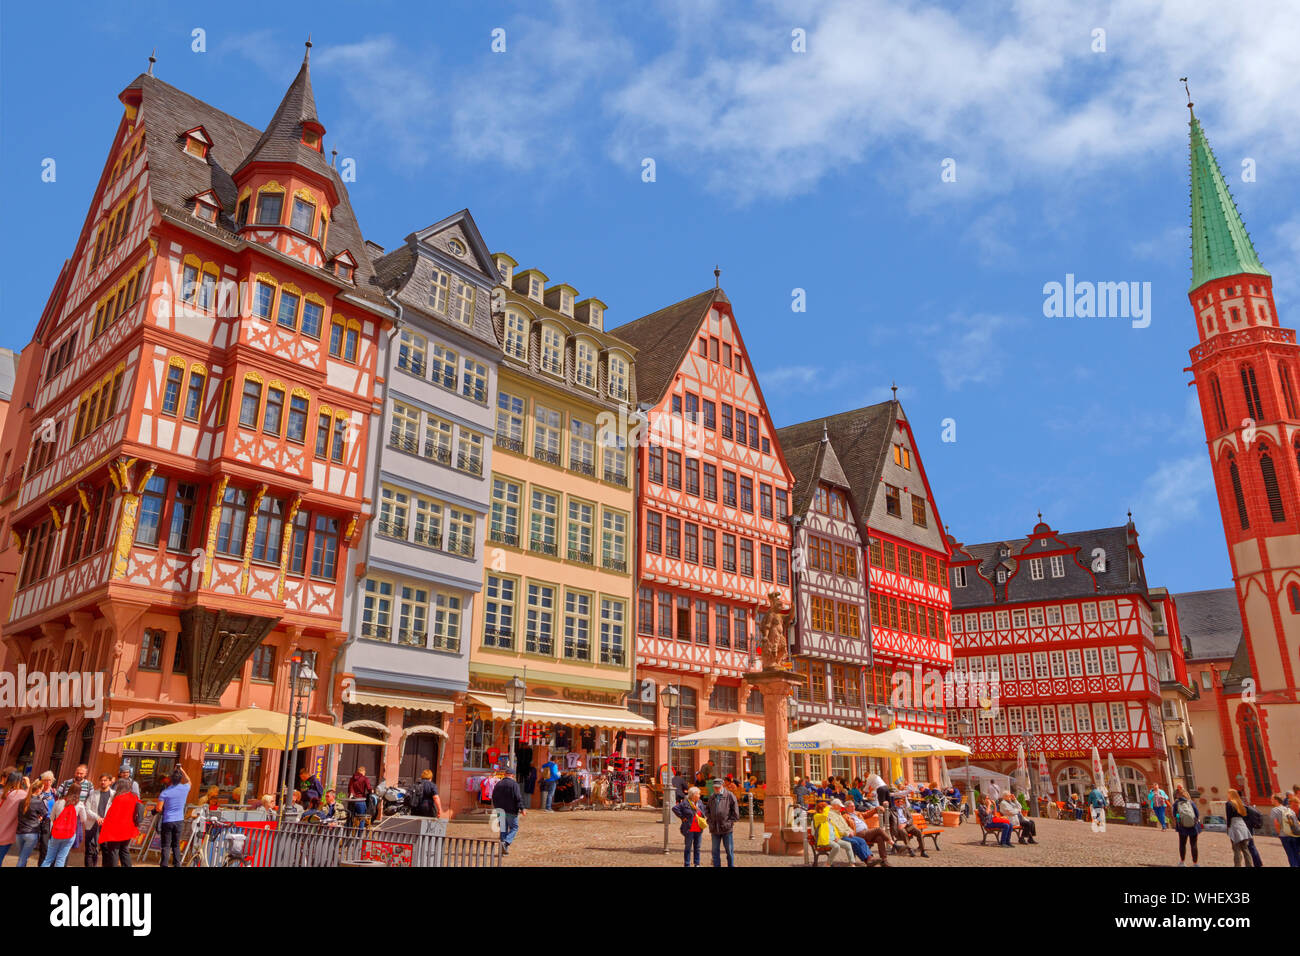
(85, 502)
(176, 361)
(286, 538)
(19, 543)
(214, 519)
(192, 260)
(57, 515)
(250, 534)
(271, 187)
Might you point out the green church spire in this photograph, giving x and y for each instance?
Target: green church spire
(1220, 244)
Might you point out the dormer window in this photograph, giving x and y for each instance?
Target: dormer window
(311, 135)
(197, 142)
(584, 372)
(566, 302)
(535, 288)
(456, 247)
(596, 316)
(304, 214)
(241, 213)
(207, 206)
(270, 206)
(516, 336)
(552, 350)
(343, 266)
(505, 268)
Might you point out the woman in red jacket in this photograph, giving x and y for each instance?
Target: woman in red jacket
(121, 825)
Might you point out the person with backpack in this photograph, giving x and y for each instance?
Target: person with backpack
(423, 797)
(549, 779)
(69, 813)
(1287, 826)
(32, 815)
(1097, 801)
(1239, 830)
(508, 806)
(1187, 823)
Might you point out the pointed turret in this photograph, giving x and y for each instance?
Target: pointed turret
(1221, 246)
(294, 134)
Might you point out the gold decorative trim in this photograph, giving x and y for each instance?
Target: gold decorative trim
(267, 278)
(197, 368)
(214, 518)
(300, 392)
(19, 543)
(245, 193)
(254, 376)
(313, 297)
(302, 192)
(250, 534)
(177, 362)
(85, 502)
(270, 187)
(285, 540)
(192, 260)
(57, 515)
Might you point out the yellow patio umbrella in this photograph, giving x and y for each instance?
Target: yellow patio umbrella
(899, 742)
(249, 729)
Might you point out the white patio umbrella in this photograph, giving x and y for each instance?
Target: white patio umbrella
(901, 742)
(1112, 773)
(1022, 765)
(1044, 777)
(1097, 777)
(945, 781)
(739, 735)
(823, 737)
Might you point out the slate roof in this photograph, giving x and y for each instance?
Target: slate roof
(662, 340)
(175, 177)
(1221, 246)
(861, 441)
(1124, 572)
(810, 464)
(1210, 622)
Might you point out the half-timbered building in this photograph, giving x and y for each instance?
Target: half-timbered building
(1058, 627)
(420, 567)
(905, 558)
(194, 473)
(712, 510)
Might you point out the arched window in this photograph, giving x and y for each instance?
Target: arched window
(88, 741)
(1250, 388)
(1288, 394)
(59, 751)
(1217, 394)
(1236, 493)
(1293, 594)
(1253, 744)
(1072, 779)
(1133, 782)
(1271, 490)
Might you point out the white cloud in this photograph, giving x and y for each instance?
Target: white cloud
(1173, 494)
(970, 349)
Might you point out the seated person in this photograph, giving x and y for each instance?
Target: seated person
(1010, 808)
(991, 820)
(953, 795)
(801, 790)
(830, 836)
(751, 783)
(871, 834)
(855, 791)
(1075, 805)
(846, 831)
(904, 828)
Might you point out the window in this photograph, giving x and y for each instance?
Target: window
(1071, 612)
(893, 501)
(653, 533)
(539, 638)
(918, 511)
(445, 635)
(413, 617)
(297, 430)
(274, 411)
(552, 359)
(581, 530)
(546, 434)
(729, 488)
(304, 215)
(151, 507)
(1107, 610)
(1237, 494)
(1036, 617)
(577, 626)
(1036, 569)
(232, 522)
(510, 421)
(263, 662)
(1250, 389)
(687, 708)
(726, 420)
(313, 316)
(151, 646)
(269, 531)
(269, 207)
(438, 286)
(613, 541)
(765, 564)
(724, 697)
(672, 537)
(339, 448)
(250, 403)
(172, 389)
(747, 557)
(462, 302)
(1109, 660)
(582, 447)
(1018, 617)
(437, 440)
(1271, 491)
(584, 364)
(543, 521)
(474, 383)
(708, 554)
(194, 396)
(287, 314)
(747, 494)
(503, 526)
(394, 510)
(692, 476)
(1090, 612)
(499, 612)
(1058, 663)
(613, 636)
(469, 452)
(325, 542)
(1053, 615)
(616, 372)
(182, 517)
(728, 552)
(1075, 660)
(516, 329)
(710, 490)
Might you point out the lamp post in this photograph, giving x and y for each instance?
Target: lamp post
(887, 717)
(302, 681)
(1028, 739)
(672, 699)
(515, 690)
(964, 727)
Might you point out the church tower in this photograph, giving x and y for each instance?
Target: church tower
(1246, 368)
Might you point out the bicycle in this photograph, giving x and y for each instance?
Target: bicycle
(221, 842)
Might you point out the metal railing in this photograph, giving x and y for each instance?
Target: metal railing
(498, 536)
(509, 443)
(314, 845)
(542, 453)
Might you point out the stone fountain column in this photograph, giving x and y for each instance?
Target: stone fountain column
(776, 685)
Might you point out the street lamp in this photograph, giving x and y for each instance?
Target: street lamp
(964, 727)
(515, 691)
(302, 681)
(672, 699)
(1028, 739)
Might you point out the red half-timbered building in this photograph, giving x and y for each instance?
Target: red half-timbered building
(1061, 623)
(905, 560)
(194, 459)
(713, 502)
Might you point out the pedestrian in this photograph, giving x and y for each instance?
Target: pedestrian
(121, 824)
(426, 802)
(1287, 826)
(681, 783)
(359, 790)
(69, 814)
(1097, 802)
(98, 803)
(508, 805)
(80, 778)
(125, 772)
(11, 800)
(1187, 823)
(1238, 831)
(1159, 801)
(994, 790)
(691, 811)
(44, 788)
(172, 803)
(722, 812)
(32, 814)
(309, 786)
(294, 810)
(706, 777)
(875, 783)
(550, 779)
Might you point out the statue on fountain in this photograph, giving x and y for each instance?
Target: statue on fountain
(773, 635)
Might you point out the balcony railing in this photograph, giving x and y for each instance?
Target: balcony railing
(582, 557)
(508, 443)
(411, 638)
(617, 565)
(392, 529)
(469, 463)
(728, 565)
(503, 537)
(618, 393)
(412, 365)
(439, 453)
(400, 440)
(542, 546)
(378, 632)
(445, 380)
(582, 467)
(616, 477)
(587, 380)
(542, 453)
(462, 545)
(429, 537)
(475, 394)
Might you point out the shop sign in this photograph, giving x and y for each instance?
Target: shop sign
(571, 694)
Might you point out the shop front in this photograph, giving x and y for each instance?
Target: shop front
(413, 731)
(585, 731)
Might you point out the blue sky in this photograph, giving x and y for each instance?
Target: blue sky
(818, 170)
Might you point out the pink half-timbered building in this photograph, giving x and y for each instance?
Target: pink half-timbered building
(1063, 623)
(192, 481)
(713, 499)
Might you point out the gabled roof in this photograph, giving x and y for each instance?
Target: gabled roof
(861, 440)
(175, 176)
(1221, 246)
(281, 141)
(662, 340)
(1210, 622)
(811, 464)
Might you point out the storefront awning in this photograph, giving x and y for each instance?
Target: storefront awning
(399, 700)
(565, 712)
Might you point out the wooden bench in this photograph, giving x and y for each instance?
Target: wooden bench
(987, 831)
(927, 831)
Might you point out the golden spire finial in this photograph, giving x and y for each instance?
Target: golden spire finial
(1183, 80)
